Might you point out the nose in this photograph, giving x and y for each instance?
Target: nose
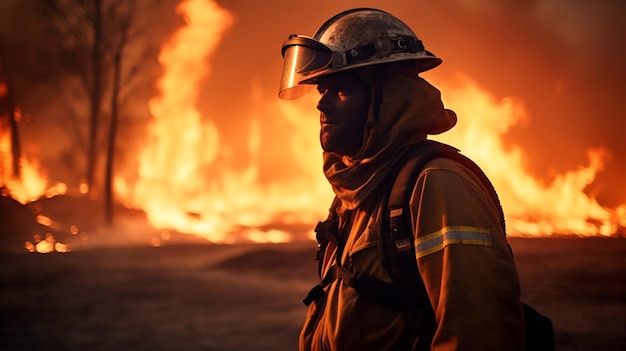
(323, 104)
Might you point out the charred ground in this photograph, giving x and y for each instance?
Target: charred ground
(238, 297)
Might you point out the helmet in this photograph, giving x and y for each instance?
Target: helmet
(355, 38)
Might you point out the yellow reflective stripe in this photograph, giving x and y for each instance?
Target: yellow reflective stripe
(436, 241)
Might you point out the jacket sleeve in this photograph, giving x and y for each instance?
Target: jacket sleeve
(464, 260)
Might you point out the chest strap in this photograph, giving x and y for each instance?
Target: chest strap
(373, 289)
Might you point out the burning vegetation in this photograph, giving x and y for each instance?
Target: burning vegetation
(184, 182)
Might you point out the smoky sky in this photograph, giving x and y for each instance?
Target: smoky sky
(562, 59)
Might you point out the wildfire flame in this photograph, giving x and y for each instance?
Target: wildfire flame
(32, 182)
(177, 193)
(181, 185)
(531, 207)
(182, 143)
(187, 184)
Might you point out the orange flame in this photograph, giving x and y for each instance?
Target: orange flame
(182, 144)
(31, 184)
(184, 184)
(174, 188)
(531, 207)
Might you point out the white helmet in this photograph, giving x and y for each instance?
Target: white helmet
(355, 38)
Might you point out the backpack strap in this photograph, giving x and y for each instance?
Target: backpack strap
(325, 232)
(399, 255)
(398, 211)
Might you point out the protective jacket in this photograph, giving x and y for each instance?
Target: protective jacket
(461, 249)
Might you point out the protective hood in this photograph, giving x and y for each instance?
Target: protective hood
(404, 109)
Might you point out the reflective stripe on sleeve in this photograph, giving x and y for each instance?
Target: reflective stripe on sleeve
(436, 241)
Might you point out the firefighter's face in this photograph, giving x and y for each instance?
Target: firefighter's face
(343, 106)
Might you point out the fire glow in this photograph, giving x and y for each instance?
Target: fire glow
(181, 184)
(187, 184)
(532, 208)
(176, 194)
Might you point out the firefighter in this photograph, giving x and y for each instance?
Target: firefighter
(374, 110)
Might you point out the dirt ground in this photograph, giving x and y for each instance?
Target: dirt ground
(248, 297)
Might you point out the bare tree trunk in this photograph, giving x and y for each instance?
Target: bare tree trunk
(118, 54)
(96, 94)
(7, 107)
(16, 152)
(110, 155)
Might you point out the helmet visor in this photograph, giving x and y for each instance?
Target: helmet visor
(301, 56)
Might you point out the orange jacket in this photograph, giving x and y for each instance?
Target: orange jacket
(462, 256)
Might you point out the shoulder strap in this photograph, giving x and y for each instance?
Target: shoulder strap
(412, 167)
(398, 255)
(397, 248)
(539, 329)
(400, 230)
